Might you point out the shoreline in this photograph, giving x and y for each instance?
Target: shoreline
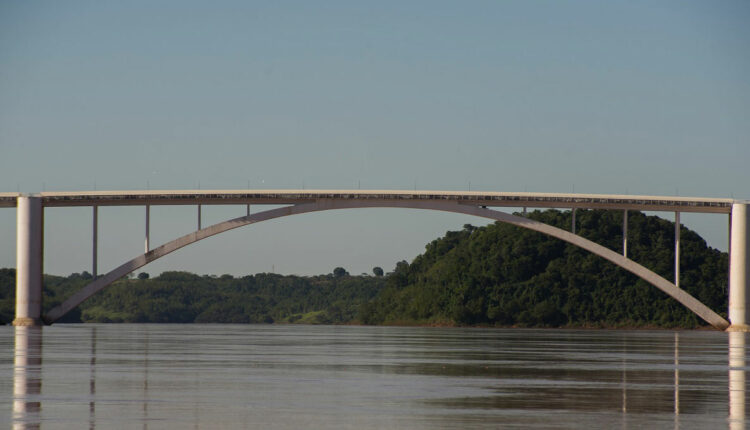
(427, 325)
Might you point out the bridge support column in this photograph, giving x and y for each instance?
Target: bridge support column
(29, 225)
(739, 260)
(95, 242)
(677, 249)
(148, 228)
(625, 233)
(573, 221)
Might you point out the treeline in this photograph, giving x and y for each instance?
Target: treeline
(182, 297)
(498, 275)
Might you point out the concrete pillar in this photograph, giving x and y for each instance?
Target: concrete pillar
(677, 249)
(625, 233)
(573, 221)
(739, 260)
(29, 226)
(95, 242)
(148, 228)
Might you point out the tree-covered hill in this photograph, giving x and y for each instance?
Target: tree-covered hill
(495, 275)
(505, 275)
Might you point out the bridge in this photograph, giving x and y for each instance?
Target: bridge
(30, 213)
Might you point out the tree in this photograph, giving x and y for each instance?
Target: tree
(502, 275)
(339, 272)
(377, 271)
(143, 275)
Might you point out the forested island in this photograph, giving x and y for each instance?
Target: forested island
(498, 275)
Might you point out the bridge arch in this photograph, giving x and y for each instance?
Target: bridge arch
(651, 277)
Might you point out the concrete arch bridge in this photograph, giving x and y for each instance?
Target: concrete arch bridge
(30, 212)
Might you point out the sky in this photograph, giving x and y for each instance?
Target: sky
(632, 97)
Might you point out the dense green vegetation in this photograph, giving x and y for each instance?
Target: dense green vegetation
(181, 297)
(495, 275)
(503, 275)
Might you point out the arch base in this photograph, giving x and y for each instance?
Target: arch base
(738, 328)
(27, 322)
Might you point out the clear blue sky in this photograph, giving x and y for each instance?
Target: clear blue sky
(639, 97)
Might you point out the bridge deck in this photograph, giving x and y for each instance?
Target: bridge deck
(483, 198)
(8, 200)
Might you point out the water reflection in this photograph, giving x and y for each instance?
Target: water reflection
(145, 382)
(624, 379)
(737, 384)
(27, 378)
(245, 376)
(92, 382)
(676, 380)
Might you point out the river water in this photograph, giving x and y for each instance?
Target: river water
(339, 377)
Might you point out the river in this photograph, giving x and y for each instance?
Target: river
(133, 376)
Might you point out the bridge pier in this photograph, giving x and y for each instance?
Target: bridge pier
(739, 260)
(29, 225)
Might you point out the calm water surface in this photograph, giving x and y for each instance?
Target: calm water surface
(339, 377)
